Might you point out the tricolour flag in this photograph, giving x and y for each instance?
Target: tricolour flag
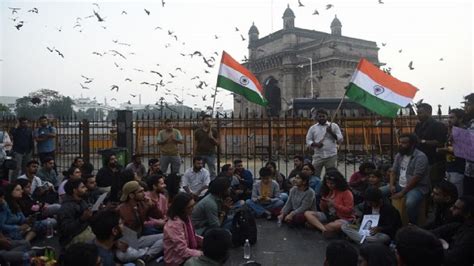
(378, 91)
(236, 78)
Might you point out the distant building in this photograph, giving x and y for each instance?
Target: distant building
(283, 60)
(9, 101)
(82, 104)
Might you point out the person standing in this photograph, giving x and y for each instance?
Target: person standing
(206, 141)
(468, 188)
(45, 137)
(22, 137)
(5, 145)
(168, 139)
(431, 134)
(454, 165)
(323, 138)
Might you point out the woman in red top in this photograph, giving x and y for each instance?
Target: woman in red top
(336, 205)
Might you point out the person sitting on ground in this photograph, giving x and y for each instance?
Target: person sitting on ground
(47, 173)
(13, 222)
(389, 220)
(196, 179)
(458, 238)
(157, 195)
(358, 181)
(93, 192)
(107, 228)
(154, 168)
(39, 189)
(375, 179)
(385, 169)
(108, 177)
(444, 196)
(265, 195)
(136, 210)
(173, 185)
(136, 166)
(74, 215)
(180, 240)
(211, 211)
(236, 190)
(278, 177)
(301, 199)
(245, 177)
(72, 173)
(215, 247)
(416, 246)
(298, 162)
(12, 251)
(336, 205)
(340, 253)
(37, 209)
(314, 181)
(82, 254)
(376, 254)
(86, 167)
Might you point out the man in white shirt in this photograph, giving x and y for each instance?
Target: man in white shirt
(38, 187)
(196, 179)
(323, 137)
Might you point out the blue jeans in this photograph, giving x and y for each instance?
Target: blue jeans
(413, 200)
(174, 161)
(283, 197)
(210, 161)
(260, 208)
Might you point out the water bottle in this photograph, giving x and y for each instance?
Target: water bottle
(26, 259)
(247, 249)
(49, 229)
(279, 222)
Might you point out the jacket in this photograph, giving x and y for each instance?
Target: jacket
(389, 220)
(69, 222)
(343, 203)
(10, 222)
(175, 242)
(460, 237)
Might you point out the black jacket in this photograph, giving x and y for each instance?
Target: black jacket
(460, 237)
(389, 221)
(69, 222)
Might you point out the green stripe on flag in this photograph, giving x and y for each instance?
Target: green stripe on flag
(372, 102)
(249, 94)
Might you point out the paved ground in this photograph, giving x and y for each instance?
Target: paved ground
(275, 246)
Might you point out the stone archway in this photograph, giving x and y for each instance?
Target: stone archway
(273, 95)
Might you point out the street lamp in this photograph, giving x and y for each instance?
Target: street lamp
(310, 72)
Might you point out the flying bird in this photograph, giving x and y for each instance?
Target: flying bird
(147, 12)
(50, 49)
(216, 37)
(14, 9)
(236, 29)
(399, 51)
(96, 4)
(384, 44)
(242, 36)
(156, 72)
(300, 4)
(163, 3)
(139, 70)
(171, 75)
(158, 28)
(204, 97)
(19, 25)
(97, 53)
(410, 65)
(333, 72)
(195, 53)
(99, 18)
(380, 2)
(34, 10)
(124, 12)
(133, 95)
(84, 87)
(117, 53)
(441, 59)
(441, 88)
(328, 6)
(59, 53)
(315, 12)
(207, 62)
(114, 87)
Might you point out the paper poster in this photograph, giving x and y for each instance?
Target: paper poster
(369, 221)
(463, 143)
(99, 201)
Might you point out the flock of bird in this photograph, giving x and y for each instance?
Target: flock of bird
(163, 81)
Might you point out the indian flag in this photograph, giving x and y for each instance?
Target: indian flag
(378, 91)
(236, 78)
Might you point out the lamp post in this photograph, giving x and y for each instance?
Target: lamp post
(310, 73)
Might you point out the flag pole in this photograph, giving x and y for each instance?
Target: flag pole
(214, 102)
(338, 107)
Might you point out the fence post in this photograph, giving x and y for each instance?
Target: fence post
(86, 152)
(125, 131)
(270, 139)
(218, 144)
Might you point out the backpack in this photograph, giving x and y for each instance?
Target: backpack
(243, 227)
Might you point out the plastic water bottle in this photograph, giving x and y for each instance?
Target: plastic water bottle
(26, 259)
(49, 229)
(247, 249)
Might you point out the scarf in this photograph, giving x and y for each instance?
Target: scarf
(192, 243)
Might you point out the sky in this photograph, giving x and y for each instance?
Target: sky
(424, 30)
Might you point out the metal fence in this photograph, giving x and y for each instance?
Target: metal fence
(253, 139)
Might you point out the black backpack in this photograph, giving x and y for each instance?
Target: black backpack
(243, 227)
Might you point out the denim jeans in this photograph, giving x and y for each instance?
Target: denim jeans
(210, 161)
(174, 161)
(413, 200)
(260, 208)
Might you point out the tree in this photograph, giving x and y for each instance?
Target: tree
(52, 103)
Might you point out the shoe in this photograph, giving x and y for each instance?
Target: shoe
(140, 262)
